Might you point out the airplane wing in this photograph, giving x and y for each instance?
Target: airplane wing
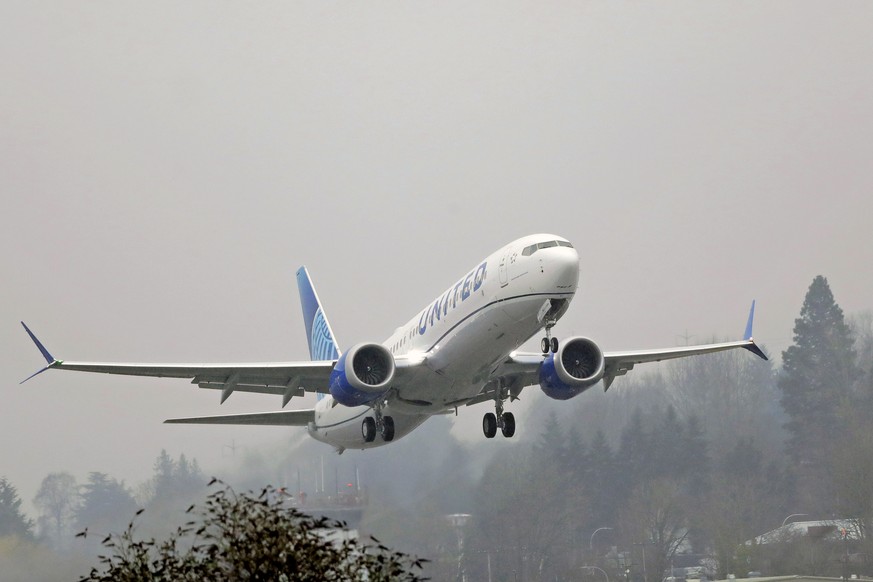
(522, 369)
(275, 418)
(620, 363)
(287, 379)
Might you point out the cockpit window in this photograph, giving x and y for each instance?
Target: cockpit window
(529, 250)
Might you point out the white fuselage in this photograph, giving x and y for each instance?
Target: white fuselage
(463, 335)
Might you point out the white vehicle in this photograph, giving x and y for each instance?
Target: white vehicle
(457, 351)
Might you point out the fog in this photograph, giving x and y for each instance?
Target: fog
(165, 168)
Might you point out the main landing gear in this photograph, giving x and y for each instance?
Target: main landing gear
(384, 425)
(505, 421)
(549, 343)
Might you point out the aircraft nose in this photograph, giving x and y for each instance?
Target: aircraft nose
(564, 267)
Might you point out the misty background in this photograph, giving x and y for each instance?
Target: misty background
(165, 168)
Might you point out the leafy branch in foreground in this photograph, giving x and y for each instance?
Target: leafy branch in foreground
(249, 537)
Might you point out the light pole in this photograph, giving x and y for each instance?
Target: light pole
(591, 540)
(794, 515)
(596, 568)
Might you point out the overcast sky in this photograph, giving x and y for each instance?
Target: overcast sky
(165, 167)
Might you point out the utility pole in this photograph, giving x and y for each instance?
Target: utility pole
(686, 336)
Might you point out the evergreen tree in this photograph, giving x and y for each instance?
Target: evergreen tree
(601, 481)
(744, 459)
(635, 462)
(601, 463)
(667, 457)
(861, 325)
(174, 480)
(165, 470)
(106, 504)
(695, 450)
(551, 444)
(818, 374)
(575, 457)
(12, 520)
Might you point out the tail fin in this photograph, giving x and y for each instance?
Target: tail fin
(322, 344)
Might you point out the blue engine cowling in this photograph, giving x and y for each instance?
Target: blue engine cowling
(362, 374)
(577, 365)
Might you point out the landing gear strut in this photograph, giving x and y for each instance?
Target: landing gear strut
(505, 421)
(384, 425)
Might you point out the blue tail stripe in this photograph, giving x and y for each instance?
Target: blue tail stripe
(322, 344)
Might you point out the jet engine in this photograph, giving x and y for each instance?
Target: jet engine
(362, 374)
(576, 366)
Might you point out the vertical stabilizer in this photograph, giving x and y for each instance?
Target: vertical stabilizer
(322, 343)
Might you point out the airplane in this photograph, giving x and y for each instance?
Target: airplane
(459, 350)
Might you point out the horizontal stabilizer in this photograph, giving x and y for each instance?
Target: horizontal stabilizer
(274, 418)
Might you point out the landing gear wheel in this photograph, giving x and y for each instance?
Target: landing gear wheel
(554, 345)
(544, 345)
(387, 429)
(368, 430)
(508, 428)
(489, 425)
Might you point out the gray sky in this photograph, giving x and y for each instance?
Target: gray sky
(165, 167)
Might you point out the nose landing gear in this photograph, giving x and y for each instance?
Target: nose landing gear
(549, 343)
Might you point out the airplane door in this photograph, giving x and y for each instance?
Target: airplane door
(502, 270)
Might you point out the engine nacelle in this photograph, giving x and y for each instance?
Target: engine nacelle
(577, 365)
(362, 374)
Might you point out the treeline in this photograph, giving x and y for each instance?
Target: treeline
(47, 548)
(678, 467)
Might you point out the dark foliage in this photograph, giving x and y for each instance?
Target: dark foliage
(105, 504)
(249, 537)
(819, 368)
(12, 520)
(818, 375)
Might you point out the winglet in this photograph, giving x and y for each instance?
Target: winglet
(45, 353)
(747, 335)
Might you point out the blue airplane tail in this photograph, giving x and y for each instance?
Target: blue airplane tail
(322, 344)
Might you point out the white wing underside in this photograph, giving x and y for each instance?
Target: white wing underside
(287, 379)
(522, 369)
